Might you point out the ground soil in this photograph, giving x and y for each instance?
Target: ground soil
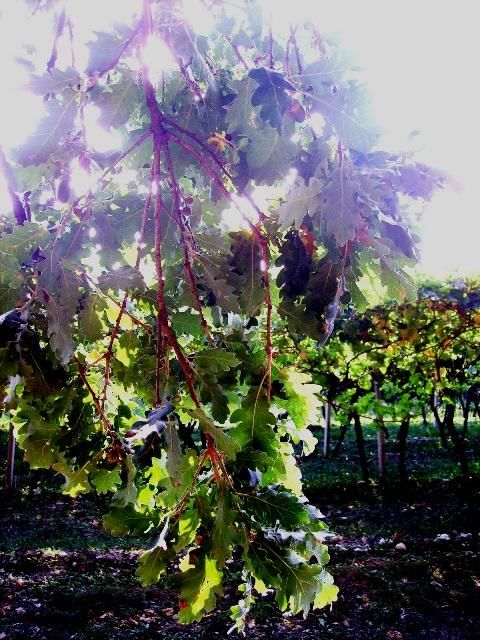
(62, 577)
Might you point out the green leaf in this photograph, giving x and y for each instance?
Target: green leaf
(122, 521)
(215, 280)
(175, 457)
(219, 401)
(38, 439)
(339, 206)
(141, 155)
(224, 535)
(301, 201)
(61, 305)
(51, 131)
(117, 102)
(399, 284)
(272, 95)
(54, 81)
(325, 288)
(186, 323)
(127, 494)
(105, 480)
(59, 330)
(105, 225)
(297, 584)
(76, 480)
(223, 441)
(89, 322)
(31, 177)
(212, 391)
(300, 588)
(105, 52)
(153, 564)
(8, 364)
(328, 592)
(215, 361)
(269, 155)
(303, 403)
(126, 348)
(125, 279)
(240, 611)
(16, 247)
(330, 69)
(199, 587)
(296, 263)
(246, 274)
(188, 525)
(240, 116)
(300, 321)
(348, 111)
(272, 506)
(256, 425)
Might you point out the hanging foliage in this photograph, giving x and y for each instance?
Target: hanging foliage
(145, 365)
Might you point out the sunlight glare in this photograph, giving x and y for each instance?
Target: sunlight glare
(419, 60)
(5, 202)
(97, 137)
(198, 16)
(82, 181)
(158, 58)
(125, 177)
(148, 270)
(98, 16)
(317, 122)
(233, 220)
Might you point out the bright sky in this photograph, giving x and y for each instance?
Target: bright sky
(420, 60)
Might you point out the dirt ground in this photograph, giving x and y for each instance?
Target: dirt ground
(62, 577)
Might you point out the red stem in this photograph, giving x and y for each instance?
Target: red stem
(237, 51)
(131, 148)
(127, 43)
(268, 304)
(287, 57)
(162, 315)
(108, 427)
(264, 248)
(165, 334)
(18, 208)
(297, 52)
(187, 260)
(200, 142)
(123, 306)
(270, 48)
(58, 34)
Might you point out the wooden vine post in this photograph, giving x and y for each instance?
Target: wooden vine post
(11, 446)
(381, 450)
(327, 408)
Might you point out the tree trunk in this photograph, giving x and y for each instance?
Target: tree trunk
(341, 437)
(402, 445)
(466, 413)
(461, 455)
(438, 422)
(362, 456)
(458, 446)
(476, 409)
(424, 416)
(326, 428)
(381, 453)
(10, 477)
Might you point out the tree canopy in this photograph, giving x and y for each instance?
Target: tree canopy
(143, 319)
